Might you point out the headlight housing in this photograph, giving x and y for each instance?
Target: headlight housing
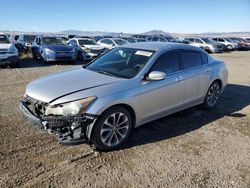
(12, 50)
(49, 51)
(87, 50)
(71, 108)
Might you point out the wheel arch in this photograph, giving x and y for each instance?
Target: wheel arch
(219, 81)
(127, 107)
(124, 105)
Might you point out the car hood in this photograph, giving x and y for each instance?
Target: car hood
(61, 84)
(94, 47)
(5, 46)
(58, 47)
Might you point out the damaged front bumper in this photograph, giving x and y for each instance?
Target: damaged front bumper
(70, 130)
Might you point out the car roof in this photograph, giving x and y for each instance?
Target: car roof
(83, 38)
(155, 46)
(113, 38)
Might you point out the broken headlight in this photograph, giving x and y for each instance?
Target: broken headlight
(71, 108)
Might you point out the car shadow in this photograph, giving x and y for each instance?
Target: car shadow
(233, 99)
(27, 61)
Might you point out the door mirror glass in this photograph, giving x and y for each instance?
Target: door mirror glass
(156, 75)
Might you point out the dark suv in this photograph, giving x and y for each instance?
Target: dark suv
(52, 49)
(24, 43)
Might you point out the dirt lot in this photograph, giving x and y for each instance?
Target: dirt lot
(193, 148)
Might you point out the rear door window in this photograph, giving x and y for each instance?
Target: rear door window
(191, 59)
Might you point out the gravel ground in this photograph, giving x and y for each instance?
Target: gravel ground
(193, 148)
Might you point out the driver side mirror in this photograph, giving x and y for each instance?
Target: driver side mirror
(156, 75)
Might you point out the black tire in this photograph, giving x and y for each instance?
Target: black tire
(211, 98)
(72, 62)
(17, 64)
(79, 56)
(34, 54)
(97, 137)
(43, 61)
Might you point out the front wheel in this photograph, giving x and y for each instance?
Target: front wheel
(212, 95)
(80, 56)
(112, 129)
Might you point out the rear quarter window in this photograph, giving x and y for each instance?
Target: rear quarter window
(191, 59)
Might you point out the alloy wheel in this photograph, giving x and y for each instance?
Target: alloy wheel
(213, 94)
(114, 129)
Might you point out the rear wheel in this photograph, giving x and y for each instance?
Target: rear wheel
(213, 95)
(112, 129)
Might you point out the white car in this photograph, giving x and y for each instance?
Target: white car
(206, 44)
(110, 43)
(8, 52)
(86, 48)
(231, 45)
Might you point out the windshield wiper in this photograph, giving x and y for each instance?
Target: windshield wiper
(104, 72)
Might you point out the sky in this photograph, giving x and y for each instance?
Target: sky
(128, 16)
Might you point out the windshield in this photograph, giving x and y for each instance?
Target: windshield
(121, 62)
(229, 40)
(53, 40)
(4, 39)
(120, 42)
(207, 40)
(130, 40)
(29, 38)
(83, 42)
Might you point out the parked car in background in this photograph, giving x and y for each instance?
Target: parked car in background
(52, 49)
(140, 36)
(226, 41)
(64, 38)
(178, 40)
(129, 39)
(125, 88)
(24, 43)
(246, 38)
(141, 40)
(8, 52)
(206, 44)
(157, 39)
(110, 43)
(97, 38)
(243, 44)
(71, 36)
(86, 48)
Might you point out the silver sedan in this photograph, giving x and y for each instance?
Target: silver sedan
(126, 87)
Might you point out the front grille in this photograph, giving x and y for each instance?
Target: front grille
(3, 51)
(62, 53)
(97, 51)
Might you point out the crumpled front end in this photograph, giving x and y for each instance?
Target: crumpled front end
(69, 130)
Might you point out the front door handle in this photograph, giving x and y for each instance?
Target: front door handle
(179, 78)
(207, 70)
